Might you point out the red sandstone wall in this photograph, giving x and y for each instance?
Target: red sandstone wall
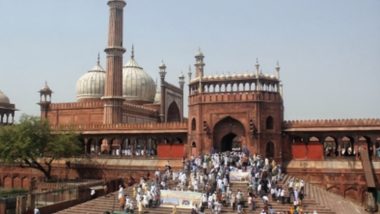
(350, 183)
(240, 106)
(76, 116)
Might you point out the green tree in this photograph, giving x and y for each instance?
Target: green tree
(32, 143)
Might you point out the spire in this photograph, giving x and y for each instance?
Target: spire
(277, 70)
(133, 52)
(162, 71)
(46, 89)
(189, 73)
(181, 79)
(98, 60)
(162, 66)
(257, 65)
(199, 54)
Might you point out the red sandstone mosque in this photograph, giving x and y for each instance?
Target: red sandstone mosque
(123, 113)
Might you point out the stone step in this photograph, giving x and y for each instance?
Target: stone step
(314, 201)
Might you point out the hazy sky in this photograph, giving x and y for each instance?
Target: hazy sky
(329, 51)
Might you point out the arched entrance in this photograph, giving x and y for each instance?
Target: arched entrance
(269, 151)
(228, 135)
(227, 141)
(174, 114)
(231, 142)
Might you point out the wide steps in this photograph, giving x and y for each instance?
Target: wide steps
(315, 199)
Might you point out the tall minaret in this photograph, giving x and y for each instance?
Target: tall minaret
(113, 95)
(199, 64)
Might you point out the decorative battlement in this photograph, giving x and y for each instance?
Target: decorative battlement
(140, 107)
(237, 82)
(235, 77)
(235, 97)
(96, 104)
(76, 105)
(137, 127)
(370, 122)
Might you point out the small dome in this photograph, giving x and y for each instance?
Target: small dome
(138, 86)
(157, 97)
(91, 84)
(3, 98)
(46, 89)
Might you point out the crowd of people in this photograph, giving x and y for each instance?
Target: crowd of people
(209, 174)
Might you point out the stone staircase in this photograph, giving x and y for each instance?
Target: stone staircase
(335, 202)
(316, 199)
(309, 204)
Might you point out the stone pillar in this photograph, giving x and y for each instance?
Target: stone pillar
(162, 73)
(339, 146)
(116, 145)
(182, 85)
(145, 146)
(113, 95)
(372, 140)
(86, 146)
(105, 147)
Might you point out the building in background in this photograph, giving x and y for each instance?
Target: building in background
(7, 110)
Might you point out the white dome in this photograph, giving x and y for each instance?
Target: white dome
(91, 84)
(138, 86)
(157, 97)
(3, 98)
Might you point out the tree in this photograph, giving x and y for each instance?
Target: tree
(31, 143)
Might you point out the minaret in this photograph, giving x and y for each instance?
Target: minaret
(113, 95)
(279, 87)
(199, 64)
(181, 80)
(257, 65)
(162, 73)
(45, 100)
(189, 74)
(278, 70)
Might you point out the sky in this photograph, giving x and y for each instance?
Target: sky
(329, 51)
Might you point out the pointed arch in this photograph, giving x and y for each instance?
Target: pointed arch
(174, 114)
(193, 124)
(347, 146)
(228, 133)
(269, 123)
(330, 146)
(269, 150)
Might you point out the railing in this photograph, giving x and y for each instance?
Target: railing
(235, 97)
(125, 126)
(367, 168)
(331, 123)
(55, 196)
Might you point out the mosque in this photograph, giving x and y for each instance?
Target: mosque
(122, 112)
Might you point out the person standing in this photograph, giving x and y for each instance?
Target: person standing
(121, 197)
